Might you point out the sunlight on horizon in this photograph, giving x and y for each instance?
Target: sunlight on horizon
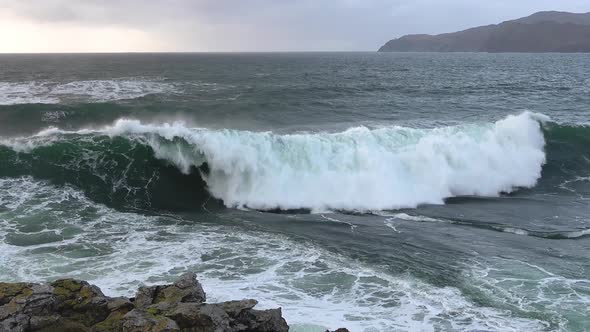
(24, 36)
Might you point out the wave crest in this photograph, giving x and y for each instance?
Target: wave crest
(359, 169)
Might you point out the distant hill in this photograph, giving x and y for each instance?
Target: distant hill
(540, 32)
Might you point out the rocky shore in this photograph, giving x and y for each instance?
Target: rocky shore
(74, 305)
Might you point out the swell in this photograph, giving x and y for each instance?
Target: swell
(172, 166)
(116, 171)
(568, 148)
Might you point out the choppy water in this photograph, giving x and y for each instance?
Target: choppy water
(380, 192)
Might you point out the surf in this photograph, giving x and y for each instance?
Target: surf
(360, 169)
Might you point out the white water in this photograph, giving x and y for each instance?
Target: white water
(358, 169)
(15, 93)
(118, 251)
(47, 92)
(531, 288)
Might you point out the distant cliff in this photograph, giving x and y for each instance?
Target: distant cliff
(540, 32)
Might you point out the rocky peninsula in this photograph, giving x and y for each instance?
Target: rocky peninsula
(69, 305)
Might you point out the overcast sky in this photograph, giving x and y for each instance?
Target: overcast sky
(244, 25)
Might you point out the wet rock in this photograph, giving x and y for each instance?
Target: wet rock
(264, 320)
(145, 296)
(74, 305)
(41, 322)
(80, 302)
(26, 306)
(10, 290)
(200, 317)
(118, 308)
(141, 321)
(233, 316)
(234, 308)
(184, 289)
(339, 330)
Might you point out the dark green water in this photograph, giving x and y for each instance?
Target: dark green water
(380, 192)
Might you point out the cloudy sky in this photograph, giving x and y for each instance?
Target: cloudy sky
(244, 25)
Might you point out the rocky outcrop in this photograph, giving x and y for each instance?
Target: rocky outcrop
(540, 32)
(185, 289)
(74, 305)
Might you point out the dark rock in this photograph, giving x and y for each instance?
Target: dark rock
(119, 303)
(141, 321)
(118, 308)
(264, 320)
(26, 306)
(41, 322)
(70, 305)
(16, 323)
(339, 330)
(200, 317)
(145, 296)
(10, 290)
(80, 302)
(184, 289)
(230, 316)
(235, 308)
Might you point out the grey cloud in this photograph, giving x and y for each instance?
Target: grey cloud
(283, 24)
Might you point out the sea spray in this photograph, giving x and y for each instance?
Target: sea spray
(360, 169)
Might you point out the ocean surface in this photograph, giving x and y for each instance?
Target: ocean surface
(377, 192)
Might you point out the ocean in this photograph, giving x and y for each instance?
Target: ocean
(373, 191)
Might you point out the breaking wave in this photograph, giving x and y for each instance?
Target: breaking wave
(360, 169)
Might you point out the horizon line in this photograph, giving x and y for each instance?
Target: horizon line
(180, 52)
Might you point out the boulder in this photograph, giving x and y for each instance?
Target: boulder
(80, 302)
(200, 317)
(264, 320)
(141, 321)
(184, 289)
(26, 306)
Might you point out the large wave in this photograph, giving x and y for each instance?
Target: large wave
(359, 169)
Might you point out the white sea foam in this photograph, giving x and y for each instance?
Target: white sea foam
(570, 185)
(407, 217)
(14, 93)
(390, 222)
(358, 169)
(338, 221)
(577, 234)
(514, 230)
(531, 288)
(117, 251)
(106, 90)
(47, 92)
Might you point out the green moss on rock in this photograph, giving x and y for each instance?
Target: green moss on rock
(114, 322)
(8, 291)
